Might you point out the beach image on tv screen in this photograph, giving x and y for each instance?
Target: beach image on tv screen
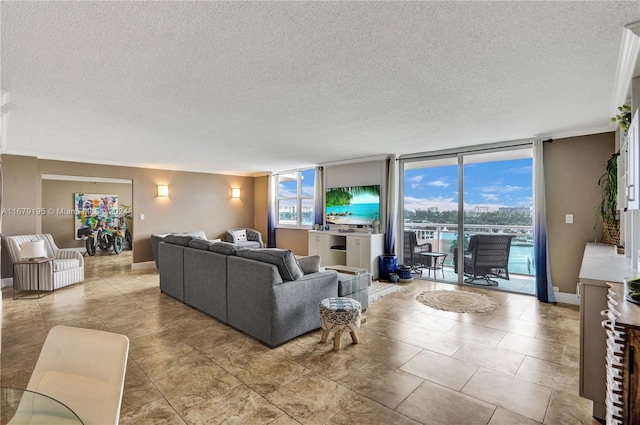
(353, 205)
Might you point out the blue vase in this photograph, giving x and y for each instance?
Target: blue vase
(387, 264)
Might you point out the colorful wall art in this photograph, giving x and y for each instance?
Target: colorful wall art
(95, 210)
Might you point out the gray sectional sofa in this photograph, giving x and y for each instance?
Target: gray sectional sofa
(159, 237)
(262, 292)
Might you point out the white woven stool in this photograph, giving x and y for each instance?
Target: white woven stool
(338, 315)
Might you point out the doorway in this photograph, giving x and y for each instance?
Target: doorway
(59, 199)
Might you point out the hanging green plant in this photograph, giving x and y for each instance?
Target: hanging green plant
(623, 118)
(607, 208)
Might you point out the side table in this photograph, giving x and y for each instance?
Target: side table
(30, 263)
(436, 263)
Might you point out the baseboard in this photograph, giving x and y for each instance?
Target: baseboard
(144, 265)
(563, 297)
(7, 282)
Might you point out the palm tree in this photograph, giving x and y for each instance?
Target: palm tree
(343, 195)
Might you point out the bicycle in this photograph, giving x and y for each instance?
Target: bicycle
(103, 238)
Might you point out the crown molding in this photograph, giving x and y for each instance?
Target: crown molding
(629, 50)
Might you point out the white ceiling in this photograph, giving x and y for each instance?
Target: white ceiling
(248, 87)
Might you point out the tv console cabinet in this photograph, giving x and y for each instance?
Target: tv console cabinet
(353, 249)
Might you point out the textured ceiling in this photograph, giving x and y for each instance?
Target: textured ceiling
(266, 86)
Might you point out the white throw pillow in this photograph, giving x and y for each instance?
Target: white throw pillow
(240, 235)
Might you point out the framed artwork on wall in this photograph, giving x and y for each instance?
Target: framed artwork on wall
(94, 210)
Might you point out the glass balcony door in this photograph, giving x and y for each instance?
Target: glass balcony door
(451, 198)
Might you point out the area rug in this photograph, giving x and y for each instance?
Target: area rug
(378, 290)
(458, 301)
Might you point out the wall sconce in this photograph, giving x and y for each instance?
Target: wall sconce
(235, 192)
(163, 191)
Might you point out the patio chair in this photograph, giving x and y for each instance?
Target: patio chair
(486, 257)
(411, 252)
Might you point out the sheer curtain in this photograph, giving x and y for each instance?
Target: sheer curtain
(544, 285)
(271, 210)
(392, 205)
(318, 208)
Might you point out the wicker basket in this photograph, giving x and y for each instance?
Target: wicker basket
(611, 233)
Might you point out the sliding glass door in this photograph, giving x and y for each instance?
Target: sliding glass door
(431, 212)
(464, 194)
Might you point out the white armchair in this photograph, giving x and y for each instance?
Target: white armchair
(85, 370)
(68, 264)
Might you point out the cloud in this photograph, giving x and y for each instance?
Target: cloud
(527, 169)
(415, 181)
(490, 196)
(283, 192)
(501, 188)
(438, 183)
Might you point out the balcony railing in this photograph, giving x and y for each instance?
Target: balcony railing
(444, 238)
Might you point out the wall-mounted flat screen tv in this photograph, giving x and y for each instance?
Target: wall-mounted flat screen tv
(353, 205)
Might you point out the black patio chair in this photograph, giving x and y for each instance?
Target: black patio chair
(411, 252)
(486, 257)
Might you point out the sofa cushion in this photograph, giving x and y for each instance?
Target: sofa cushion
(225, 248)
(281, 258)
(182, 240)
(65, 264)
(199, 243)
(248, 244)
(310, 264)
(239, 235)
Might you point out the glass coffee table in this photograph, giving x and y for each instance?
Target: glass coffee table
(27, 407)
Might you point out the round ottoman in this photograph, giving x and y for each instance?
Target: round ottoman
(338, 315)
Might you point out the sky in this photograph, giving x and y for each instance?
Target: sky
(488, 185)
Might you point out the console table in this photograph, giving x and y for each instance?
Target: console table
(600, 264)
(622, 326)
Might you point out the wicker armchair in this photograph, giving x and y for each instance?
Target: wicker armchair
(486, 257)
(411, 250)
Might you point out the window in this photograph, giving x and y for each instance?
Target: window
(295, 198)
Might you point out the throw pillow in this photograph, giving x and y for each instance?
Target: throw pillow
(310, 264)
(178, 239)
(225, 248)
(281, 258)
(240, 235)
(199, 243)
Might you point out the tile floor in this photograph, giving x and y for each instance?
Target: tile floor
(414, 365)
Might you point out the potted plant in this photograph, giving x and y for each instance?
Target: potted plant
(623, 118)
(606, 210)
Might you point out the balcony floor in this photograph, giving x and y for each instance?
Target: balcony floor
(520, 284)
